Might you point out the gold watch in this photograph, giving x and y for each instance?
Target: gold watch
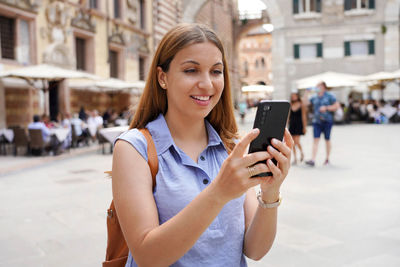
(265, 205)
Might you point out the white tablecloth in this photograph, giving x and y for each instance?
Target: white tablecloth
(8, 134)
(60, 133)
(121, 122)
(92, 129)
(113, 132)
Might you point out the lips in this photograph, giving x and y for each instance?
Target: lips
(201, 98)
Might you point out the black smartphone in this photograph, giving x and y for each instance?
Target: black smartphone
(271, 119)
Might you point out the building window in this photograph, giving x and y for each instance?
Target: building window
(359, 4)
(113, 64)
(80, 52)
(7, 36)
(306, 6)
(142, 14)
(24, 55)
(246, 68)
(307, 51)
(142, 63)
(262, 63)
(93, 4)
(117, 9)
(359, 48)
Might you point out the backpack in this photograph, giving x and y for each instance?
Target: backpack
(117, 249)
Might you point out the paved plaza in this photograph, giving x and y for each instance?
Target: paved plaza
(345, 214)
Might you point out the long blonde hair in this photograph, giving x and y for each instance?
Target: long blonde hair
(154, 99)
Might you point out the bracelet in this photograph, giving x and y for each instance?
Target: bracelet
(265, 205)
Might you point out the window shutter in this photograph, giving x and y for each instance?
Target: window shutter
(319, 49)
(371, 4)
(295, 6)
(371, 47)
(296, 48)
(318, 6)
(347, 51)
(7, 37)
(347, 4)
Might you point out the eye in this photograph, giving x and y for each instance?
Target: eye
(190, 70)
(217, 72)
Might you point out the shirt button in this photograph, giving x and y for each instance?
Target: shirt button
(202, 158)
(205, 181)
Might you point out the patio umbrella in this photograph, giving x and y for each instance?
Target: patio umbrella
(258, 88)
(381, 79)
(46, 73)
(113, 84)
(332, 79)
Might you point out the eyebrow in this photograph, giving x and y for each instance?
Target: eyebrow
(197, 63)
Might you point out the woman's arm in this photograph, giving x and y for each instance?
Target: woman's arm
(304, 110)
(152, 244)
(261, 223)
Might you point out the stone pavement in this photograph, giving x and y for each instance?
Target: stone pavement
(345, 214)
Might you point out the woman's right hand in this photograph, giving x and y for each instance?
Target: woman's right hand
(233, 179)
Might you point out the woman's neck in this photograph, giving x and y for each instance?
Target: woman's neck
(189, 135)
(184, 128)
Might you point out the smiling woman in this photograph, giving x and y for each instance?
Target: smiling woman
(201, 209)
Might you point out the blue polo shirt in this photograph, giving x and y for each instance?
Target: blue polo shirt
(317, 101)
(179, 180)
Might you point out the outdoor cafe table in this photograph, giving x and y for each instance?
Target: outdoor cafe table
(60, 133)
(8, 134)
(110, 134)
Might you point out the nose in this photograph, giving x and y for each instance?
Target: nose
(205, 82)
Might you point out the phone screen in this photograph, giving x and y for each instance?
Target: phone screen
(271, 119)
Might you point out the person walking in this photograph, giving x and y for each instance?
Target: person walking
(324, 105)
(203, 210)
(297, 124)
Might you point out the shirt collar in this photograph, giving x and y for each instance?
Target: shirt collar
(163, 140)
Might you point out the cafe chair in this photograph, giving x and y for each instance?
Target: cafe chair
(21, 139)
(37, 143)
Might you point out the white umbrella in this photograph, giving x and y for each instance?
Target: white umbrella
(381, 76)
(332, 79)
(113, 84)
(46, 72)
(258, 88)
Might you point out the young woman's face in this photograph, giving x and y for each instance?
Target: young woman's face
(194, 81)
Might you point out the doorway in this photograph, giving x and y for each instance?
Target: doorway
(53, 100)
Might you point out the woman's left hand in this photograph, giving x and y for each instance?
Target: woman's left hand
(282, 154)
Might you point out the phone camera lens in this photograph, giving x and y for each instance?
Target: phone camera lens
(267, 107)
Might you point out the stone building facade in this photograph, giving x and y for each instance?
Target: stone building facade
(255, 57)
(104, 38)
(107, 38)
(314, 36)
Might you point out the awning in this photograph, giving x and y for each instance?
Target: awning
(46, 72)
(258, 89)
(381, 76)
(108, 85)
(332, 79)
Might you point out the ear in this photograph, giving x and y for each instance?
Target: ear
(162, 78)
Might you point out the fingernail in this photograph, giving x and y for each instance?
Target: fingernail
(255, 130)
(274, 141)
(271, 148)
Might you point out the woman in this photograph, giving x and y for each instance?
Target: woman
(297, 123)
(203, 210)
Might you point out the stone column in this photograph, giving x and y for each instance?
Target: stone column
(279, 76)
(3, 122)
(64, 97)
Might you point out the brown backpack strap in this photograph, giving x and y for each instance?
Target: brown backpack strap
(152, 158)
(117, 249)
